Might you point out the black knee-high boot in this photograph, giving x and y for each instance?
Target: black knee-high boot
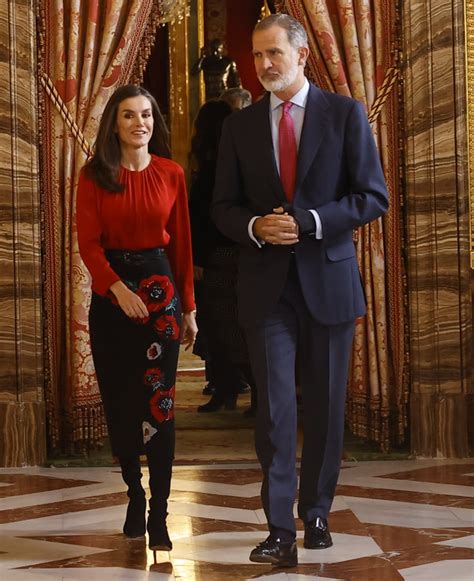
(134, 525)
(160, 455)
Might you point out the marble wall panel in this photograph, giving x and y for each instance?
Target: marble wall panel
(437, 227)
(22, 424)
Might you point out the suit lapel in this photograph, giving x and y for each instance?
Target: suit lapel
(262, 128)
(314, 126)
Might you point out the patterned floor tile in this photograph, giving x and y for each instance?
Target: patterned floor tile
(390, 521)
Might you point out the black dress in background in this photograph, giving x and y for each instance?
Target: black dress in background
(220, 340)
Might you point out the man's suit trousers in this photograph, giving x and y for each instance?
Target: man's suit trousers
(323, 360)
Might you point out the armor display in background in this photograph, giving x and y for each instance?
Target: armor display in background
(220, 71)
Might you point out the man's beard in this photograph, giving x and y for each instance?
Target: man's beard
(281, 82)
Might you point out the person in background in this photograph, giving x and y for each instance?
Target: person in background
(297, 172)
(237, 98)
(215, 264)
(134, 238)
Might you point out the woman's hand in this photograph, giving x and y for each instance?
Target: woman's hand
(130, 303)
(188, 329)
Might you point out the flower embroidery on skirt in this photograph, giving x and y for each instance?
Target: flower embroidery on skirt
(156, 292)
(167, 327)
(154, 351)
(154, 378)
(148, 432)
(162, 405)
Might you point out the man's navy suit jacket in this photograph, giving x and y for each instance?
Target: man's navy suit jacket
(339, 174)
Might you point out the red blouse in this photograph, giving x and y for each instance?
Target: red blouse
(151, 212)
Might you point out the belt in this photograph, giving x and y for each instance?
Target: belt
(132, 255)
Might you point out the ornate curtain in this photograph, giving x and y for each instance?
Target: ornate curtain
(87, 49)
(353, 43)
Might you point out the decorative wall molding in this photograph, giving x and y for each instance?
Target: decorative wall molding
(173, 10)
(469, 18)
(179, 91)
(216, 19)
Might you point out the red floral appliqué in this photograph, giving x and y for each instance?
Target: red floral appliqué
(167, 327)
(154, 377)
(162, 405)
(156, 292)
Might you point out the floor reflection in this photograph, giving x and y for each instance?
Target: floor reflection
(404, 519)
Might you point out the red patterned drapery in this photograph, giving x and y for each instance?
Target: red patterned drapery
(87, 50)
(353, 43)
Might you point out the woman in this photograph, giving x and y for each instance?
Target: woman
(134, 237)
(215, 266)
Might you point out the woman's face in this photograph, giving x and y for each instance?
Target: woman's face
(134, 125)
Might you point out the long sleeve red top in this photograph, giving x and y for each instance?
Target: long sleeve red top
(151, 212)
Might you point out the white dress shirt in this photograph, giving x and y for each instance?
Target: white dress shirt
(297, 113)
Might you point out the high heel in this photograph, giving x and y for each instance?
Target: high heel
(134, 526)
(159, 540)
(158, 537)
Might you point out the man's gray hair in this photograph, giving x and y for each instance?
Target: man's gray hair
(297, 36)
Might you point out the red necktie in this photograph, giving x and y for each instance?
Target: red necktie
(288, 151)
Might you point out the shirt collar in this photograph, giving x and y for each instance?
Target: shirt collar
(299, 99)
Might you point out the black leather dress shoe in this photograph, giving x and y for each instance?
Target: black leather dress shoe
(317, 535)
(208, 389)
(250, 412)
(244, 388)
(275, 552)
(216, 403)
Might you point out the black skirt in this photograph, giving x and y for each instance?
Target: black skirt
(136, 361)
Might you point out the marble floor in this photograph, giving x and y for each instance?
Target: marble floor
(401, 519)
(391, 520)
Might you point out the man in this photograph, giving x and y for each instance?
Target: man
(297, 172)
(220, 71)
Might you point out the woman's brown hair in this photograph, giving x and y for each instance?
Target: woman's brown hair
(104, 166)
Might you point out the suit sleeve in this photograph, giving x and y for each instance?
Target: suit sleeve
(228, 205)
(89, 234)
(367, 196)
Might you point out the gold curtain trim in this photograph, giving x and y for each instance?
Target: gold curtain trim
(146, 45)
(383, 93)
(161, 13)
(391, 77)
(88, 425)
(65, 114)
